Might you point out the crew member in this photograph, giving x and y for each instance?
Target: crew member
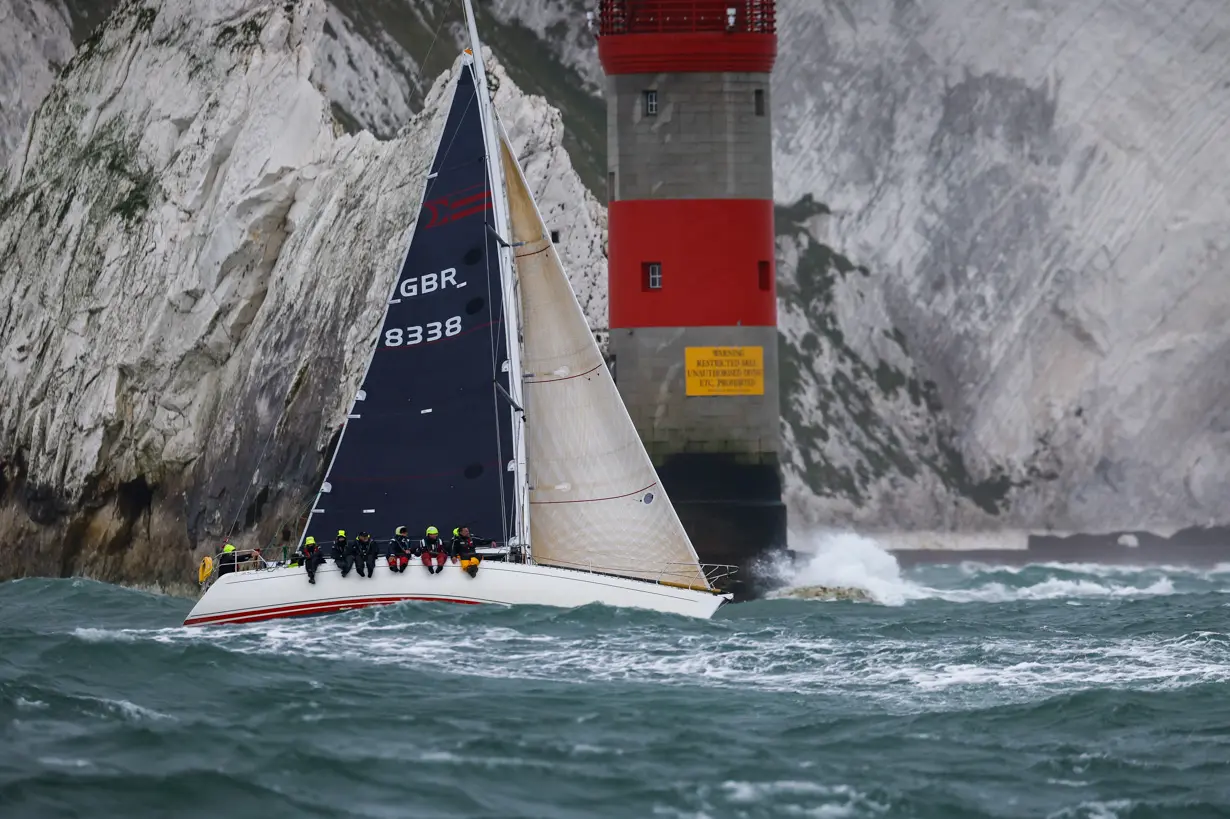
(252, 559)
(312, 558)
(367, 550)
(343, 553)
(464, 549)
(400, 550)
(434, 551)
(226, 561)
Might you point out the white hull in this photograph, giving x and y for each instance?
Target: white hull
(265, 594)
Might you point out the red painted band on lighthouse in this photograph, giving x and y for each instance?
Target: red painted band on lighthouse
(698, 52)
(715, 257)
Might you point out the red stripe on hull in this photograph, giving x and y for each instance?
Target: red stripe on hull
(712, 252)
(319, 607)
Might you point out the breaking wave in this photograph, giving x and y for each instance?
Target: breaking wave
(845, 560)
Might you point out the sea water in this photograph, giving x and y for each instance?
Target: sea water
(965, 691)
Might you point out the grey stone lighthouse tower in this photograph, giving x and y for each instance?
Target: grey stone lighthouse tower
(693, 310)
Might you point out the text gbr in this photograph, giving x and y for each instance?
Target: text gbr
(413, 286)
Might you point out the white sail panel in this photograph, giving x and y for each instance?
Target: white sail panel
(595, 499)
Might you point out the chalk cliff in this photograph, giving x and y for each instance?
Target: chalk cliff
(195, 257)
(1002, 263)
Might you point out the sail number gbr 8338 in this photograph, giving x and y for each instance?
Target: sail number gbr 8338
(412, 287)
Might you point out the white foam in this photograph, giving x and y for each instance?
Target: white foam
(800, 798)
(130, 710)
(972, 568)
(1113, 809)
(847, 559)
(61, 762)
(1051, 589)
(902, 674)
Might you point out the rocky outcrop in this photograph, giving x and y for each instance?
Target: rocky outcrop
(195, 259)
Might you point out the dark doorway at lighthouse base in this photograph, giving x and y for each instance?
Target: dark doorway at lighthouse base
(732, 511)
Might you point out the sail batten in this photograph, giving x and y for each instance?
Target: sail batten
(595, 497)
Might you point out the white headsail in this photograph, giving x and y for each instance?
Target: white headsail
(594, 494)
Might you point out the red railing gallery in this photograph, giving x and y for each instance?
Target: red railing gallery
(685, 16)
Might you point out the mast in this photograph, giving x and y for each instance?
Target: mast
(512, 313)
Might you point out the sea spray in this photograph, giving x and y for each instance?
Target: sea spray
(843, 565)
(841, 561)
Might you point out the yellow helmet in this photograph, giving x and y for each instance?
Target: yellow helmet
(455, 531)
(341, 533)
(311, 541)
(431, 530)
(401, 530)
(228, 548)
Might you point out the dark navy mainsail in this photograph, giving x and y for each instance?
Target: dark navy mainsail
(429, 442)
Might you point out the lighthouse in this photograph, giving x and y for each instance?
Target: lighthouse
(693, 310)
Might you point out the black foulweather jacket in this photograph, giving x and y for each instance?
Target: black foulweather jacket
(464, 546)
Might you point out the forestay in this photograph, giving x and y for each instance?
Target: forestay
(595, 500)
(428, 442)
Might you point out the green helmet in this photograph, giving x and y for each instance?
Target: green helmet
(455, 531)
(228, 548)
(431, 530)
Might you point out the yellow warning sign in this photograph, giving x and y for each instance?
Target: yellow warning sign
(725, 370)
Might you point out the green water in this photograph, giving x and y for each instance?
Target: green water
(1043, 692)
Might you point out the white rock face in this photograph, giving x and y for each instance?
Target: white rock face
(1036, 192)
(195, 260)
(369, 80)
(561, 25)
(34, 44)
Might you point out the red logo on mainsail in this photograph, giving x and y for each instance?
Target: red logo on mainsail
(457, 205)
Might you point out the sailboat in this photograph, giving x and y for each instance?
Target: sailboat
(486, 402)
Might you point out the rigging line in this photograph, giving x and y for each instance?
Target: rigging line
(435, 168)
(434, 38)
(489, 188)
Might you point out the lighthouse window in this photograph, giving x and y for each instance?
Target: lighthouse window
(759, 102)
(651, 103)
(555, 237)
(652, 273)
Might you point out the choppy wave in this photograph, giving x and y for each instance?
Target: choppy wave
(949, 705)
